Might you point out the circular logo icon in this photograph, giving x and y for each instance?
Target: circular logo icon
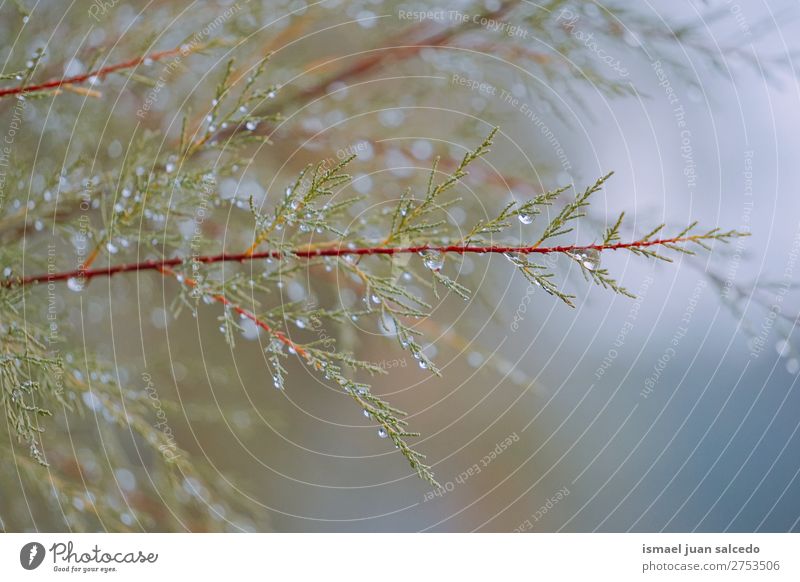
(31, 555)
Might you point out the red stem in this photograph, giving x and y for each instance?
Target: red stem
(241, 311)
(355, 69)
(161, 265)
(102, 72)
(371, 61)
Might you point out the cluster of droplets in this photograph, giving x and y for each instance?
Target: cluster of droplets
(371, 299)
(588, 258)
(408, 343)
(305, 217)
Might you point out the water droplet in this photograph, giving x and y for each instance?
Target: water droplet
(382, 433)
(250, 330)
(423, 364)
(392, 117)
(366, 413)
(590, 259)
(75, 284)
(7, 272)
(112, 248)
(300, 323)
(525, 217)
(793, 365)
(783, 348)
(475, 359)
(277, 381)
(375, 299)
(434, 260)
(251, 125)
(422, 149)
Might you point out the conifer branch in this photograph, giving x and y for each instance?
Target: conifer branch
(342, 251)
(303, 211)
(99, 73)
(388, 417)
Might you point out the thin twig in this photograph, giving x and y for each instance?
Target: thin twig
(189, 282)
